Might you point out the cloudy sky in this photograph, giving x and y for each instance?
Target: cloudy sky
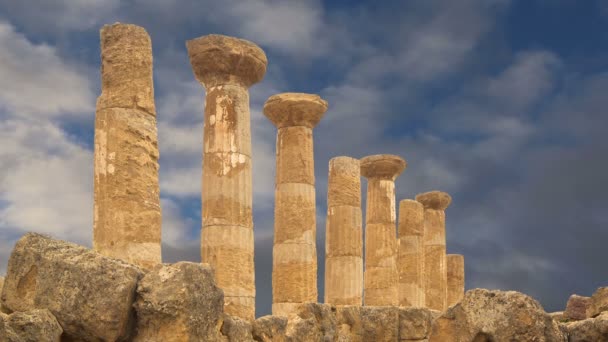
(497, 102)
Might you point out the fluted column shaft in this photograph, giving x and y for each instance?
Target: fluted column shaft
(410, 263)
(380, 278)
(227, 67)
(294, 253)
(455, 278)
(435, 264)
(344, 236)
(127, 214)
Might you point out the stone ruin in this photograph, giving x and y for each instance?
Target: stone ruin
(408, 288)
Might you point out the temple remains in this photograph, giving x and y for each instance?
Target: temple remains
(405, 260)
(127, 215)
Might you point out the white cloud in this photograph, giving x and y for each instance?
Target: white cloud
(35, 81)
(46, 181)
(59, 15)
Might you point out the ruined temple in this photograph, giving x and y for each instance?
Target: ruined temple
(386, 279)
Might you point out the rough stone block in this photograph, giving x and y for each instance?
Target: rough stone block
(312, 322)
(577, 307)
(557, 316)
(30, 326)
(380, 323)
(349, 323)
(485, 315)
(235, 329)
(588, 330)
(598, 303)
(414, 323)
(90, 295)
(179, 302)
(270, 329)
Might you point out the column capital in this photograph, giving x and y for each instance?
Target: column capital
(218, 59)
(437, 200)
(295, 109)
(383, 166)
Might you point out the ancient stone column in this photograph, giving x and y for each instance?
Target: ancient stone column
(343, 234)
(227, 67)
(127, 214)
(410, 261)
(294, 253)
(455, 278)
(435, 264)
(381, 279)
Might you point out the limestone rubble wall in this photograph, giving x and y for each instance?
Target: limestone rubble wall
(54, 288)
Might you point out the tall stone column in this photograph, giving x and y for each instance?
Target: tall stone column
(227, 67)
(343, 234)
(127, 214)
(435, 264)
(381, 279)
(294, 253)
(410, 262)
(455, 278)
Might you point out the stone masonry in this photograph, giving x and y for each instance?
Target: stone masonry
(435, 264)
(127, 214)
(343, 234)
(455, 285)
(227, 67)
(294, 253)
(410, 264)
(380, 278)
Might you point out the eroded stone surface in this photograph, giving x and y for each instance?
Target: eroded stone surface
(294, 270)
(485, 315)
(455, 285)
(384, 166)
(126, 68)
(270, 329)
(179, 302)
(2, 308)
(598, 302)
(414, 323)
(410, 261)
(437, 200)
(30, 326)
(588, 330)
(435, 259)
(90, 295)
(218, 59)
(295, 109)
(235, 329)
(127, 213)
(576, 308)
(344, 235)
(227, 67)
(381, 280)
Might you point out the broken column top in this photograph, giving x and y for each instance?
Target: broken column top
(437, 200)
(218, 59)
(295, 109)
(126, 68)
(411, 218)
(456, 257)
(386, 166)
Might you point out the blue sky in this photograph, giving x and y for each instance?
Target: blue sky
(500, 103)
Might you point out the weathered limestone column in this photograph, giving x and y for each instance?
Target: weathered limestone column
(455, 278)
(343, 234)
(410, 261)
(294, 253)
(227, 67)
(381, 279)
(127, 214)
(435, 264)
